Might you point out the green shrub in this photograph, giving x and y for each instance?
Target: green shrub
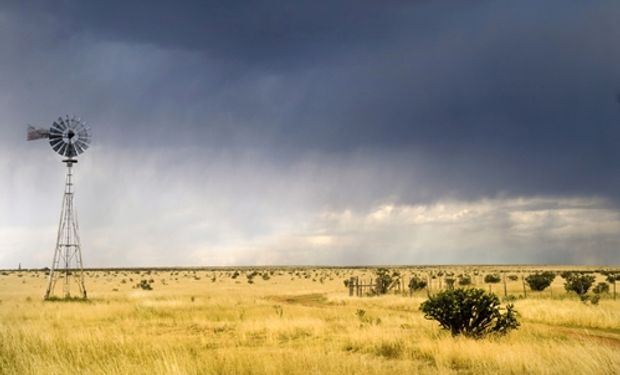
(492, 278)
(250, 276)
(416, 283)
(470, 312)
(513, 277)
(383, 281)
(578, 283)
(464, 280)
(450, 282)
(612, 277)
(540, 281)
(567, 274)
(601, 288)
(144, 285)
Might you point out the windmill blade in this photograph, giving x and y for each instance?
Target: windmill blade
(71, 152)
(84, 146)
(62, 149)
(57, 147)
(84, 138)
(34, 133)
(55, 132)
(58, 126)
(56, 141)
(78, 147)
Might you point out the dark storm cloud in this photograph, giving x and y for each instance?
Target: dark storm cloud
(495, 98)
(252, 32)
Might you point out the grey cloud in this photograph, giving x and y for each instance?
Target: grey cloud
(277, 112)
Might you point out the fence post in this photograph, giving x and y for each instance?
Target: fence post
(428, 284)
(351, 279)
(524, 291)
(505, 290)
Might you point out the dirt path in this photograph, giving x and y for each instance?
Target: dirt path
(595, 335)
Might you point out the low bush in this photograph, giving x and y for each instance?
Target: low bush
(384, 280)
(540, 281)
(416, 283)
(464, 280)
(450, 282)
(144, 285)
(470, 312)
(601, 288)
(612, 277)
(578, 283)
(492, 278)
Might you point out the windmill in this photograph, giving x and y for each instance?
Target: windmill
(69, 137)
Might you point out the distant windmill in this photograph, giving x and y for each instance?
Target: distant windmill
(69, 137)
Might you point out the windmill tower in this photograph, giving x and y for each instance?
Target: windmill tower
(69, 137)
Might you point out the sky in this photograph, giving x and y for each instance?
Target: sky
(315, 133)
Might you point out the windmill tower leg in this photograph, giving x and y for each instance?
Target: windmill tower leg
(67, 263)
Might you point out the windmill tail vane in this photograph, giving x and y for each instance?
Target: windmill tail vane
(34, 133)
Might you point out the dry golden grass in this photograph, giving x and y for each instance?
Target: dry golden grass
(190, 324)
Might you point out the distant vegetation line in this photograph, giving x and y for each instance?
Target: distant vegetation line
(368, 266)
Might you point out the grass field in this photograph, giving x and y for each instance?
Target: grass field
(291, 321)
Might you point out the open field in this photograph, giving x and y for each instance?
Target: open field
(288, 320)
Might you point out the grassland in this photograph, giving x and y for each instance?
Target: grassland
(291, 321)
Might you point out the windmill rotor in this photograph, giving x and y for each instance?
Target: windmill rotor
(68, 136)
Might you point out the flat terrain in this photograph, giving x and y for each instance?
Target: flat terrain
(289, 320)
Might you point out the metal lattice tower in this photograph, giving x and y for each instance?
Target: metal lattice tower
(67, 263)
(69, 137)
